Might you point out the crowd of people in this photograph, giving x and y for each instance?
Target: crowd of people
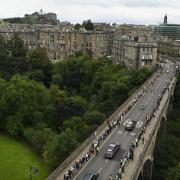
(98, 141)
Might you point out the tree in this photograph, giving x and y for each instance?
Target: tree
(60, 147)
(12, 57)
(88, 25)
(141, 75)
(17, 46)
(26, 102)
(39, 66)
(3, 50)
(38, 138)
(77, 26)
(94, 118)
(174, 173)
(78, 125)
(3, 104)
(57, 79)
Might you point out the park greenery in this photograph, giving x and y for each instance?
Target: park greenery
(87, 25)
(15, 159)
(55, 107)
(168, 51)
(167, 156)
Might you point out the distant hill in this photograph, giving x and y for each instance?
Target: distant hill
(35, 18)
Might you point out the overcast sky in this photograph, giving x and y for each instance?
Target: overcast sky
(119, 11)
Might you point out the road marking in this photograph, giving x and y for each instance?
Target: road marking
(106, 160)
(133, 134)
(139, 124)
(99, 170)
(125, 133)
(120, 132)
(126, 122)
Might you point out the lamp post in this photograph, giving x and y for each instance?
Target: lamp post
(33, 169)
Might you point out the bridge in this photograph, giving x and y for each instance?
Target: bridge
(148, 107)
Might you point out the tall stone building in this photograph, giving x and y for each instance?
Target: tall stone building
(135, 52)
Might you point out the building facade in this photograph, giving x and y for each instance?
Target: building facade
(123, 45)
(171, 31)
(135, 53)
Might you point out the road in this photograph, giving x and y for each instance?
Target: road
(107, 167)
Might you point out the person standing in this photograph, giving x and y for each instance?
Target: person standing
(143, 140)
(97, 150)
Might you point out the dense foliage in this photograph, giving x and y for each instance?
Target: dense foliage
(55, 107)
(167, 156)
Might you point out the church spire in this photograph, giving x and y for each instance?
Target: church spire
(165, 19)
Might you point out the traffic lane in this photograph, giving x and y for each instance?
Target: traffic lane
(96, 164)
(112, 165)
(121, 136)
(98, 160)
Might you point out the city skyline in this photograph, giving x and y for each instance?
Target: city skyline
(118, 11)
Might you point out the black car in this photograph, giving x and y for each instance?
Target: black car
(90, 176)
(111, 150)
(129, 126)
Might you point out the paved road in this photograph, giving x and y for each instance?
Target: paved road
(107, 167)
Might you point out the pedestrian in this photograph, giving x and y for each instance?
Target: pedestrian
(121, 162)
(143, 140)
(94, 134)
(136, 141)
(122, 168)
(97, 150)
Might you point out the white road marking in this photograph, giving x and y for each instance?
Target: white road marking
(133, 134)
(100, 170)
(120, 132)
(139, 124)
(125, 133)
(106, 160)
(126, 122)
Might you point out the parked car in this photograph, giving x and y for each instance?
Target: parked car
(90, 176)
(129, 126)
(111, 150)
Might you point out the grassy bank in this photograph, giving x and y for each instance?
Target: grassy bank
(15, 158)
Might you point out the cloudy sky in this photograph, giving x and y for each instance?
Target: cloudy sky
(119, 11)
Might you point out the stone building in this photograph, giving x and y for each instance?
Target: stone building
(131, 47)
(135, 53)
(96, 43)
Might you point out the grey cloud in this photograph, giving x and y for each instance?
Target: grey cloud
(127, 3)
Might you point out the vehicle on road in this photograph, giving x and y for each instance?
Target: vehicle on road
(90, 176)
(129, 126)
(111, 150)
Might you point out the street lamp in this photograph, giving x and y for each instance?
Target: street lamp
(33, 169)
